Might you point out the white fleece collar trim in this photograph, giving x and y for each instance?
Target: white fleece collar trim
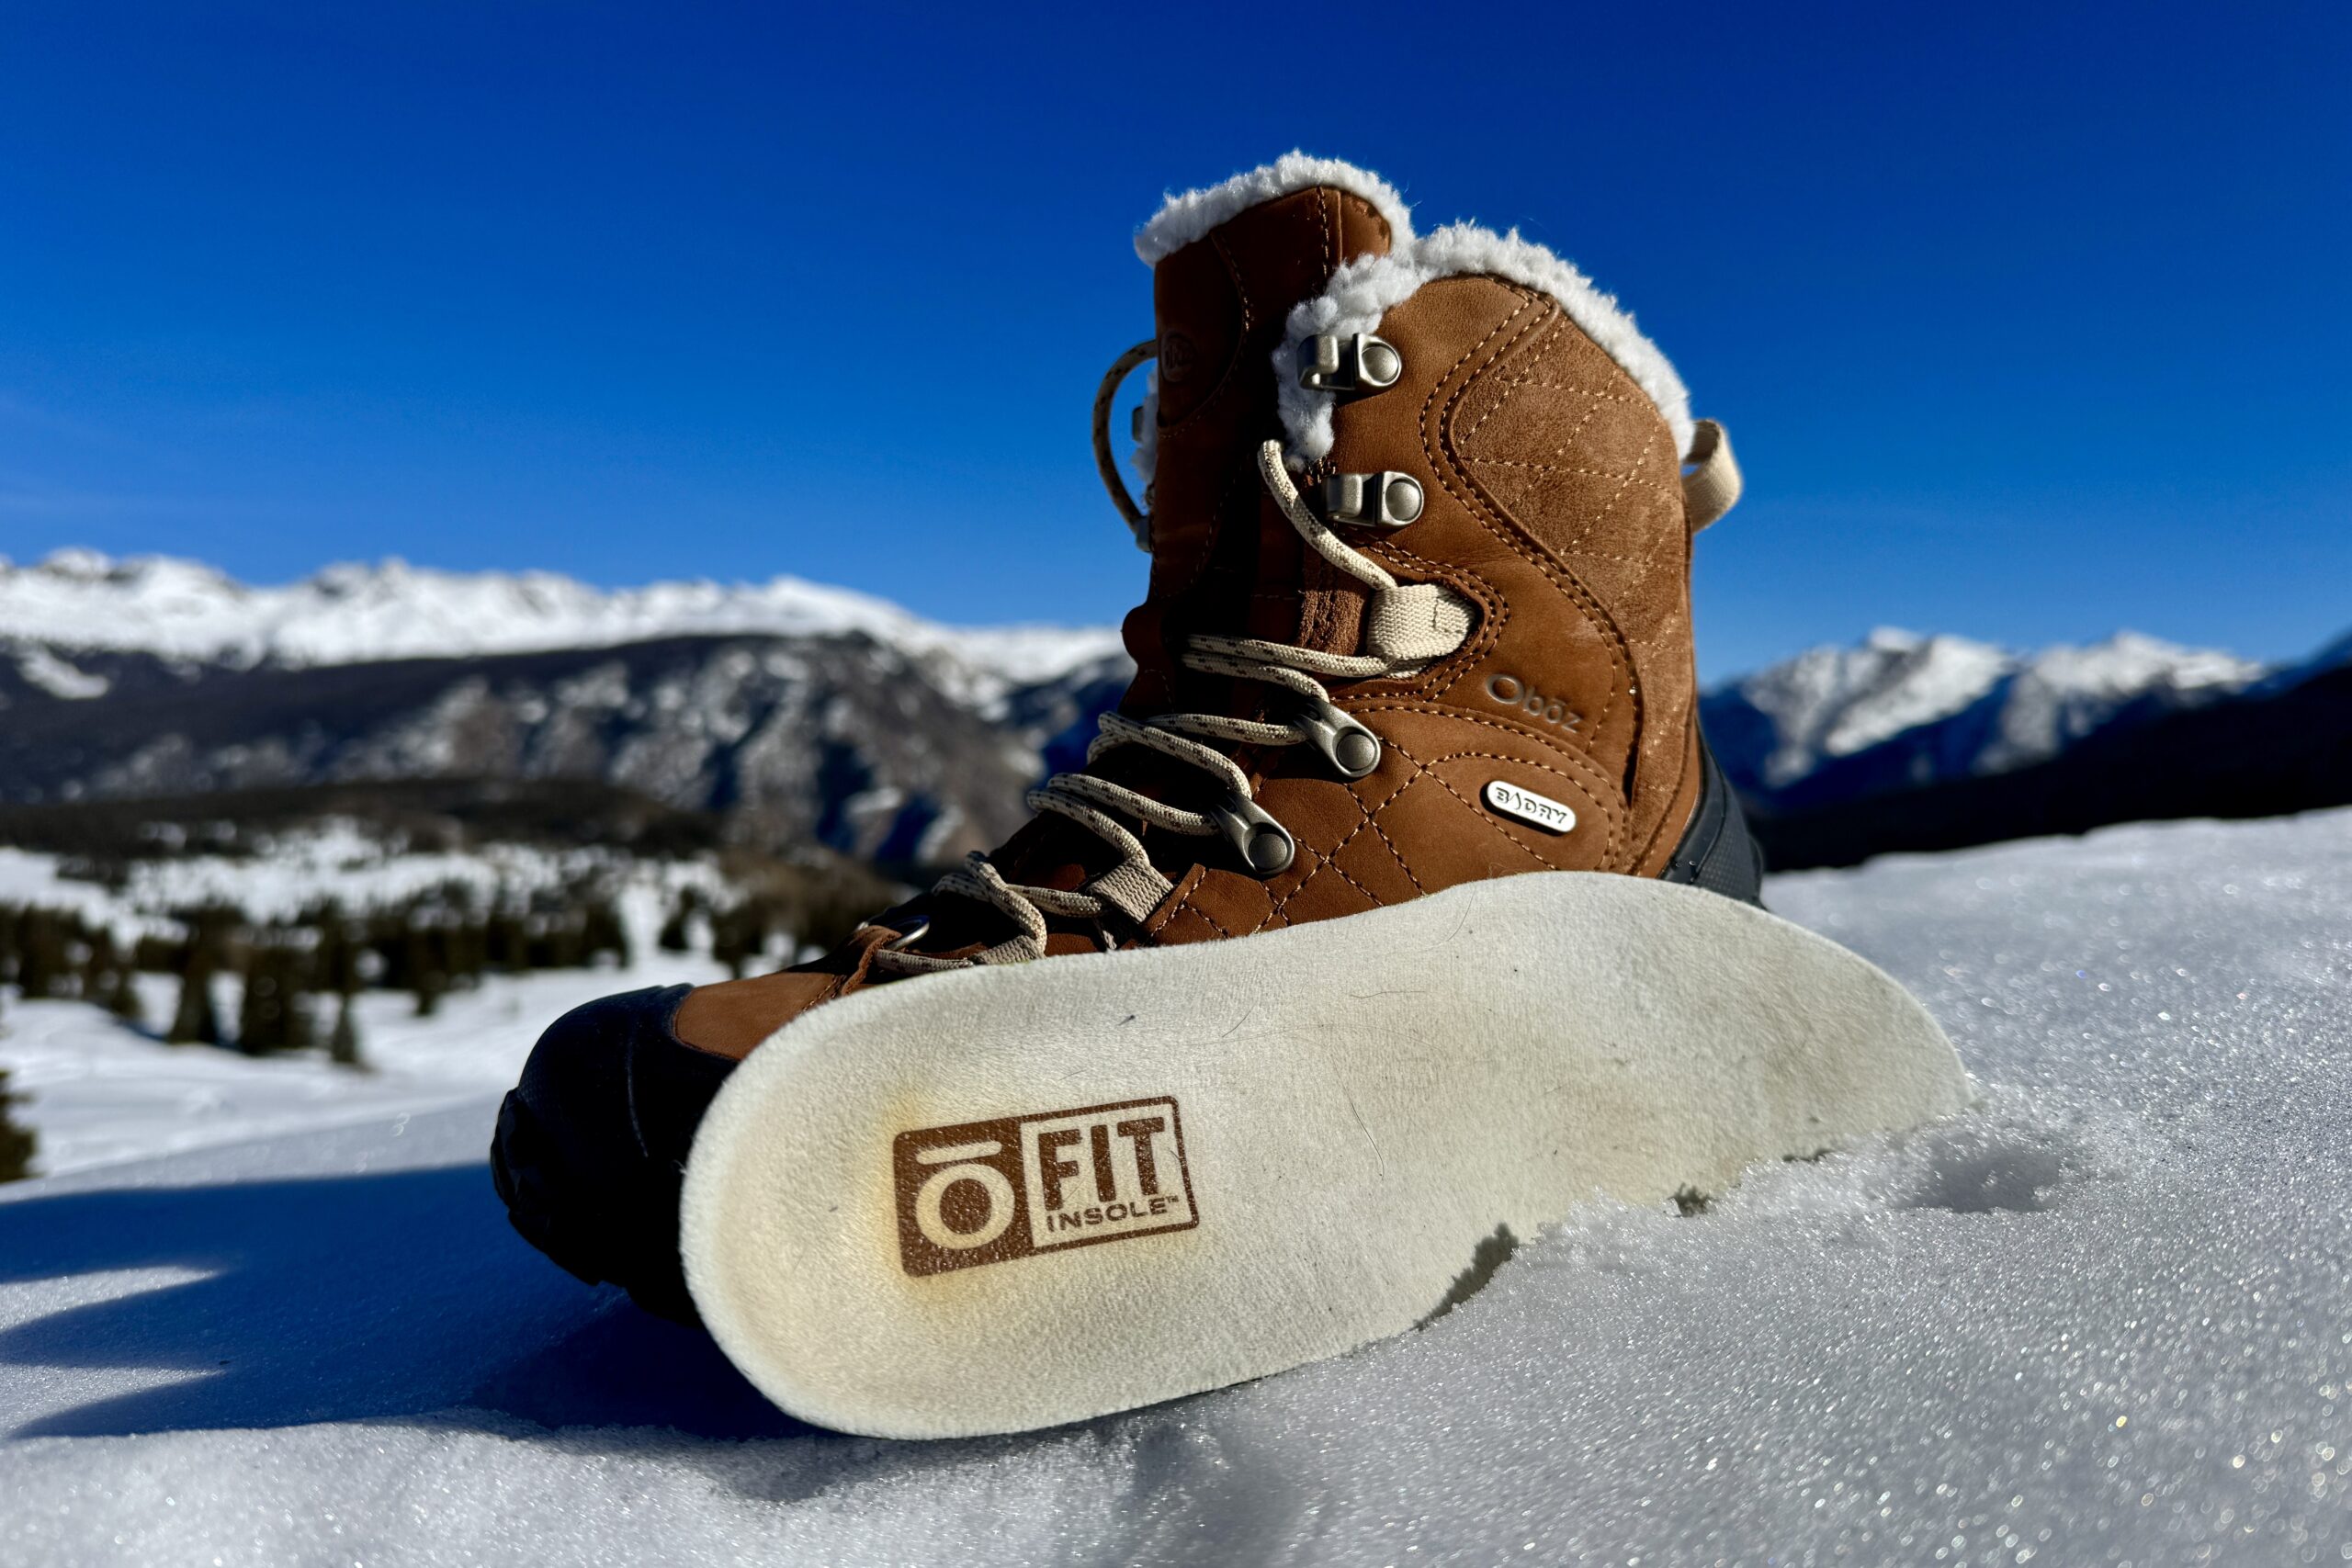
(1364, 290)
(1184, 219)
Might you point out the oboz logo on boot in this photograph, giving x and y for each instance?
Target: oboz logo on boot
(1514, 693)
(992, 1192)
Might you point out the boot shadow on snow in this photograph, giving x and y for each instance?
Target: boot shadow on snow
(338, 1298)
(404, 1297)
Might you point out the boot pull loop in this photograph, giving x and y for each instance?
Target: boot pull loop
(1138, 520)
(1712, 486)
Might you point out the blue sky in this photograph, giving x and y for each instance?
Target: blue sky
(2029, 323)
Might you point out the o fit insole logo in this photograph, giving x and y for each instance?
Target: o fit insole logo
(992, 1192)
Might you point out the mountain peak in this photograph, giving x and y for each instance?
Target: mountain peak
(76, 564)
(1948, 704)
(2129, 660)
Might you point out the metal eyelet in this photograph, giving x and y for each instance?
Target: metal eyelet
(1385, 500)
(1352, 365)
(1352, 750)
(916, 930)
(1265, 845)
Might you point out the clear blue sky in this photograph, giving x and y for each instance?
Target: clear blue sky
(2029, 323)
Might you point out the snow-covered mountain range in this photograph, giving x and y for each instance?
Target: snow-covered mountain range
(794, 712)
(792, 709)
(1900, 710)
(356, 614)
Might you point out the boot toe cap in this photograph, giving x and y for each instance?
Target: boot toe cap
(591, 1148)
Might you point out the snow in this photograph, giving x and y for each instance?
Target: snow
(1833, 702)
(354, 613)
(2104, 1317)
(59, 679)
(338, 860)
(101, 1093)
(1936, 676)
(2061, 694)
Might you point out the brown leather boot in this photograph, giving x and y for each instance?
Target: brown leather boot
(1419, 618)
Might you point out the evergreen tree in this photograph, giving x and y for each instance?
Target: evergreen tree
(77, 951)
(736, 936)
(118, 994)
(602, 932)
(340, 968)
(343, 1045)
(567, 944)
(105, 978)
(41, 965)
(468, 951)
(260, 1012)
(425, 958)
(194, 1020)
(538, 942)
(17, 1143)
(99, 960)
(275, 1014)
(506, 945)
(342, 958)
(302, 1008)
(675, 936)
(332, 958)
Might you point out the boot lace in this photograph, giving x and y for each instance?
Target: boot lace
(1407, 628)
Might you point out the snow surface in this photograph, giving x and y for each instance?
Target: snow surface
(100, 1094)
(2106, 1318)
(355, 612)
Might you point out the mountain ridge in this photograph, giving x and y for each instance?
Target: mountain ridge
(1903, 710)
(789, 709)
(355, 612)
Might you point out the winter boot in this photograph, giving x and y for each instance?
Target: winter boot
(1332, 998)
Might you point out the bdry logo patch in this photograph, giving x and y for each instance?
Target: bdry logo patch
(992, 1192)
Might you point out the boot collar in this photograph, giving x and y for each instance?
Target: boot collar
(1184, 219)
(1363, 291)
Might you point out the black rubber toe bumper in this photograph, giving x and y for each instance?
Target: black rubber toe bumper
(591, 1148)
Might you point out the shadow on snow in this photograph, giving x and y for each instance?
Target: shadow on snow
(348, 1298)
